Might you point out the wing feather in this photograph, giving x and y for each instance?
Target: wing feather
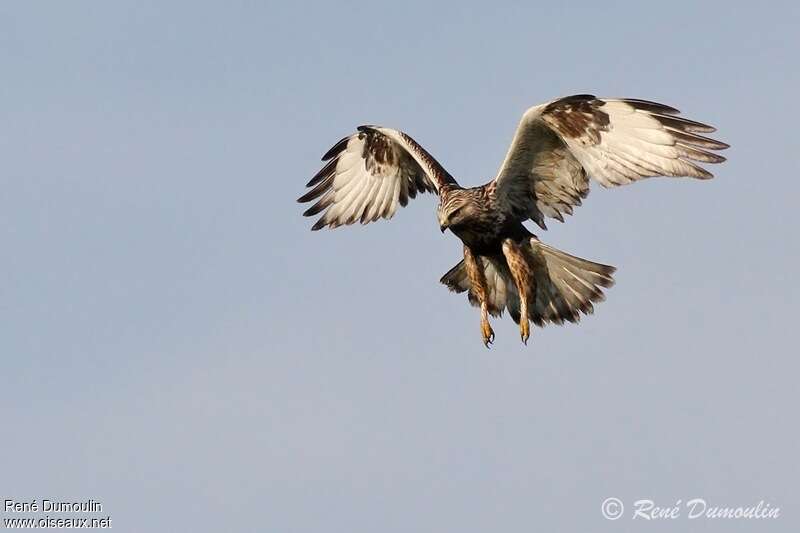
(558, 146)
(369, 173)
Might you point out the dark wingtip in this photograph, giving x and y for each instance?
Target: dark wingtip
(310, 195)
(324, 172)
(336, 149)
(682, 123)
(318, 207)
(648, 105)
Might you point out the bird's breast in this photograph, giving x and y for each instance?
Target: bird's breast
(485, 236)
(482, 239)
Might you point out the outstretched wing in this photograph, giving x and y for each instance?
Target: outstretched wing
(615, 141)
(368, 174)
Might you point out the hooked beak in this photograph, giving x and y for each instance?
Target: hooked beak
(443, 227)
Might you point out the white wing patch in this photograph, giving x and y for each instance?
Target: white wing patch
(638, 143)
(368, 174)
(559, 145)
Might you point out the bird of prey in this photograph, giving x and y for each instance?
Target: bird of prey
(557, 147)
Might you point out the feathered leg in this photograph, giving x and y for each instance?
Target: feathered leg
(477, 279)
(524, 280)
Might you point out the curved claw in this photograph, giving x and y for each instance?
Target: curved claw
(524, 331)
(488, 334)
(487, 341)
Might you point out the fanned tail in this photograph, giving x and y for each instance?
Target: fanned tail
(564, 285)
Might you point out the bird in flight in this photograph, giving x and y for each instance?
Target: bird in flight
(557, 147)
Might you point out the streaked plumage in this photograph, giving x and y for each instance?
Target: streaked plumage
(557, 147)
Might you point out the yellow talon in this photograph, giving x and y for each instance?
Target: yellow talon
(487, 332)
(524, 331)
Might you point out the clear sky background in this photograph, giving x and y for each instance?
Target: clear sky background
(178, 345)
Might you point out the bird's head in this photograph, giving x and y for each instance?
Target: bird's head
(454, 208)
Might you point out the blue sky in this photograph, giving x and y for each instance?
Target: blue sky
(178, 345)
